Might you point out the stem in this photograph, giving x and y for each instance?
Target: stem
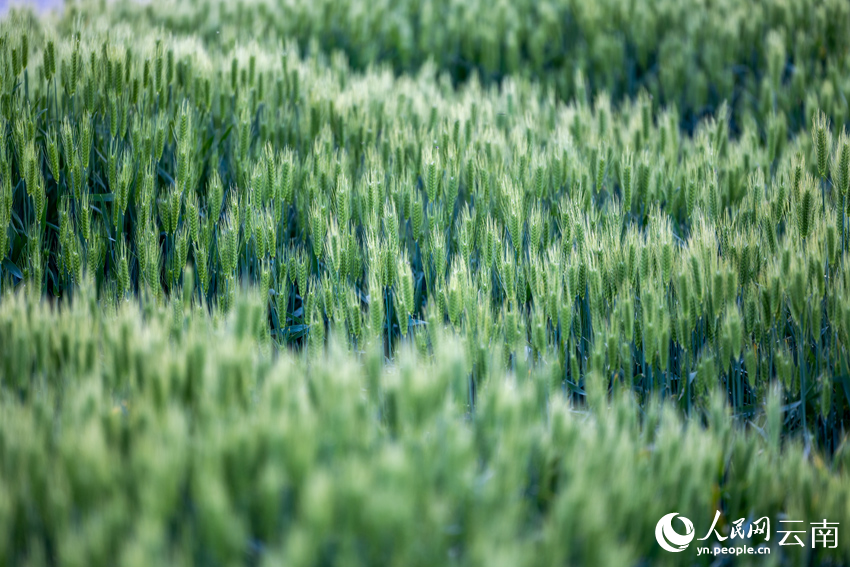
(802, 379)
(841, 212)
(730, 386)
(389, 327)
(669, 392)
(688, 389)
(55, 99)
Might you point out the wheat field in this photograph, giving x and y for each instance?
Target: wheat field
(423, 283)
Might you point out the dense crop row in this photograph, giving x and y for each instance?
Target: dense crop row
(765, 57)
(140, 443)
(602, 239)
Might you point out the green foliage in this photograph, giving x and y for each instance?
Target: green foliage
(622, 241)
(356, 197)
(155, 433)
(763, 58)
